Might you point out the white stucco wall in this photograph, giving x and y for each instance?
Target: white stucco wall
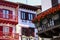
(46, 4)
(36, 36)
(18, 30)
(58, 1)
(27, 23)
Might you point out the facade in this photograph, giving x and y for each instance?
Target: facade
(26, 28)
(8, 20)
(48, 21)
(16, 21)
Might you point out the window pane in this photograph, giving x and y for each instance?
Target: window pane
(5, 13)
(29, 16)
(22, 15)
(5, 29)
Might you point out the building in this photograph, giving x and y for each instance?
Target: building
(8, 20)
(25, 27)
(48, 21)
(16, 21)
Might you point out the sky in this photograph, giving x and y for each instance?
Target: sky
(30, 2)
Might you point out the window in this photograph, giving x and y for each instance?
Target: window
(23, 31)
(54, 2)
(5, 30)
(30, 17)
(5, 13)
(23, 15)
(27, 16)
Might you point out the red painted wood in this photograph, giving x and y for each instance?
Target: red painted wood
(10, 30)
(1, 30)
(9, 4)
(10, 14)
(1, 16)
(3, 39)
(47, 12)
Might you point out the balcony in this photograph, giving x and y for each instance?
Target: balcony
(8, 18)
(9, 35)
(47, 28)
(50, 28)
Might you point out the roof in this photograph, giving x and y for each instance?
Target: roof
(26, 6)
(39, 6)
(8, 3)
(47, 12)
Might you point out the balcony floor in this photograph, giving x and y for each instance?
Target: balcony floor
(49, 33)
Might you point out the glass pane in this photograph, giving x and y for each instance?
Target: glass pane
(23, 38)
(23, 15)
(29, 16)
(5, 29)
(5, 13)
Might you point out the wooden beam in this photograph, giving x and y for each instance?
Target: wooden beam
(53, 31)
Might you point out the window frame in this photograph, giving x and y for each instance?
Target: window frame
(27, 15)
(5, 13)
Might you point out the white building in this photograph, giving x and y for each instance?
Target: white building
(25, 27)
(46, 4)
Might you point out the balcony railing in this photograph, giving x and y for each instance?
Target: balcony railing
(8, 17)
(9, 35)
(45, 28)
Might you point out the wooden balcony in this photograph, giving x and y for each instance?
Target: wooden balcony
(9, 35)
(50, 31)
(8, 18)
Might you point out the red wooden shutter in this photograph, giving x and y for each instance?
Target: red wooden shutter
(10, 14)
(10, 30)
(1, 30)
(1, 13)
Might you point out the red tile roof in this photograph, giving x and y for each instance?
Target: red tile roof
(47, 12)
(26, 6)
(8, 3)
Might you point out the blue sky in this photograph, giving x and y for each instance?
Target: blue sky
(30, 2)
